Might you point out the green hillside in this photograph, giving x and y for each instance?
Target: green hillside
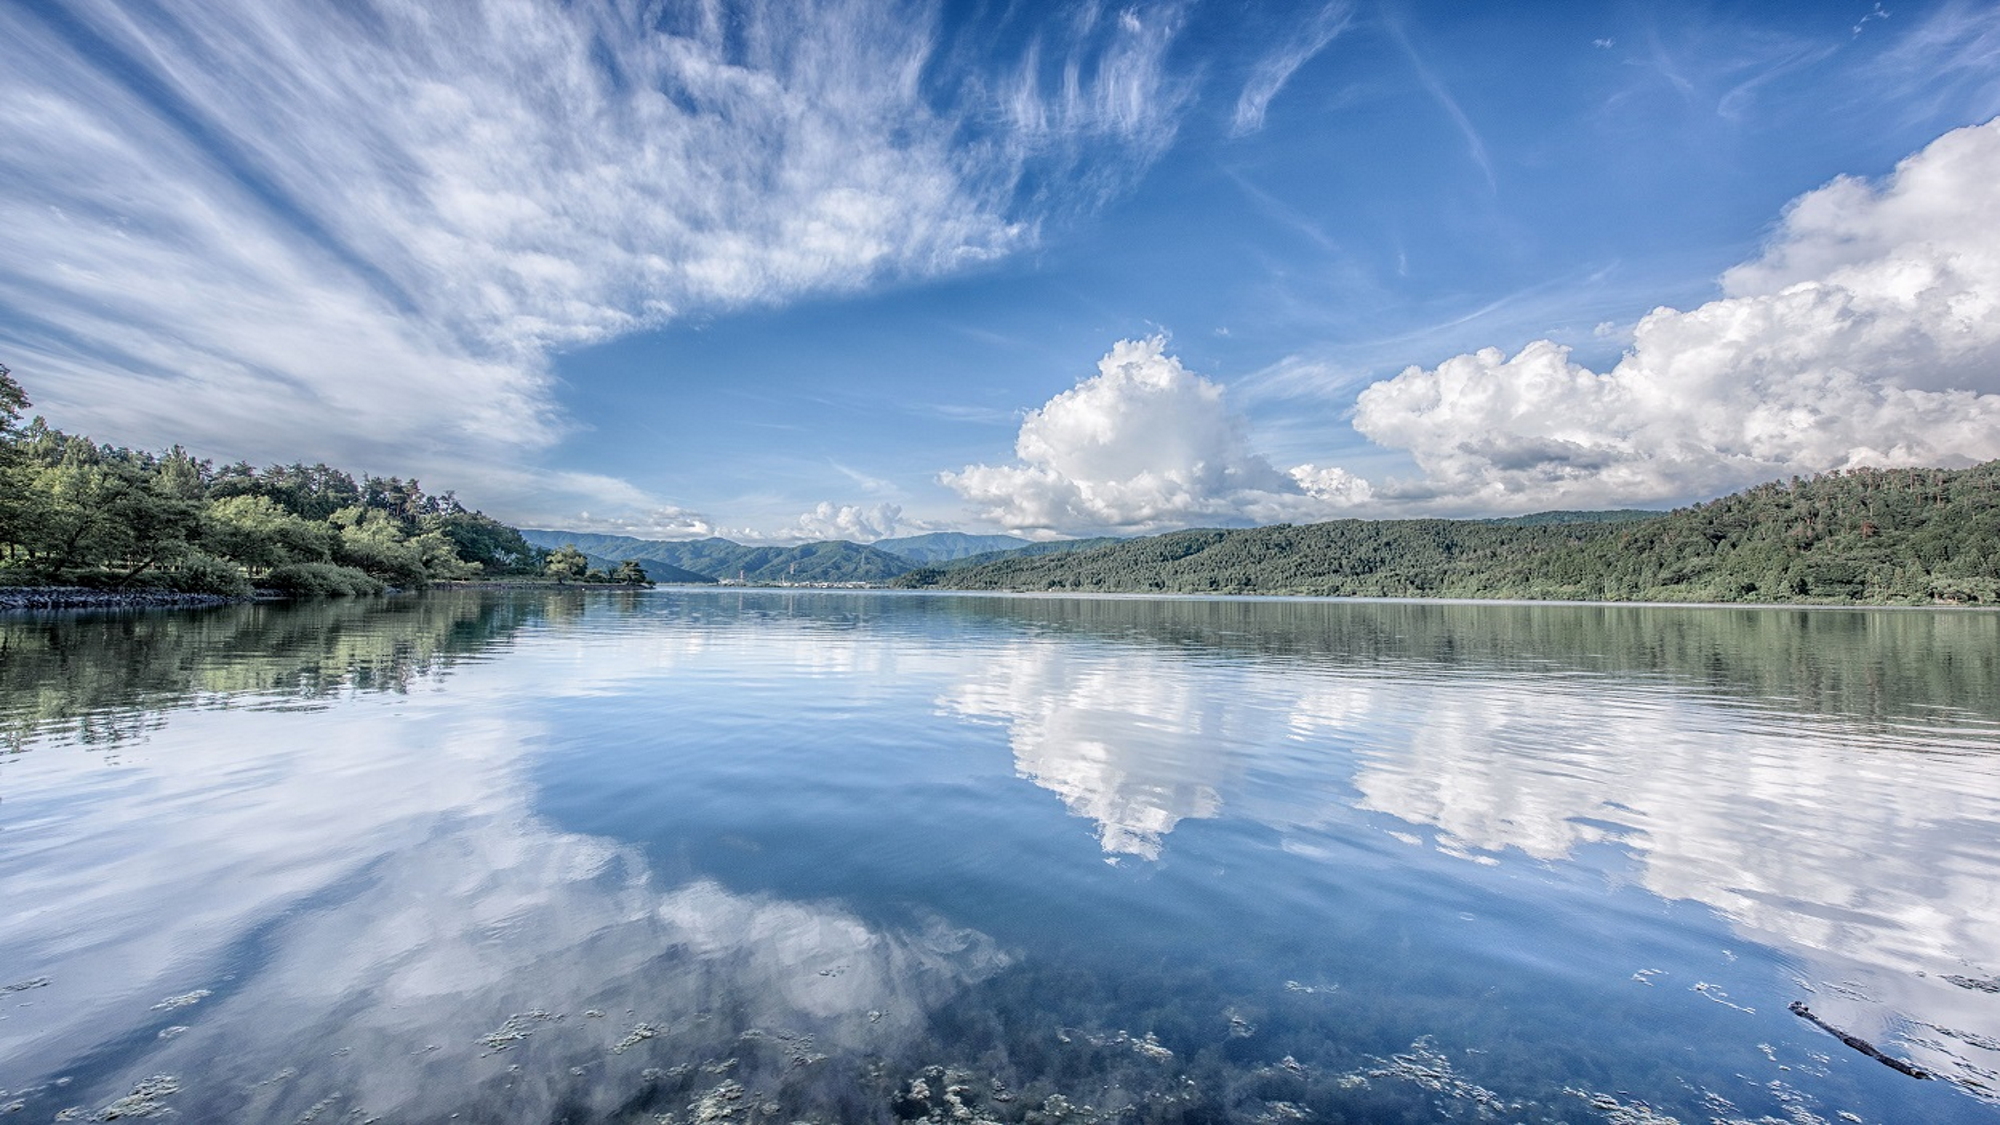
(76, 512)
(1881, 536)
(656, 571)
(722, 559)
(945, 546)
(1031, 550)
(1612, 515)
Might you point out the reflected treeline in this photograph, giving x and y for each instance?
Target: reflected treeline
(106, 677)
(1861, 664)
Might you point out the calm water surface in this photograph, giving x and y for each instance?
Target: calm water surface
(768, 857)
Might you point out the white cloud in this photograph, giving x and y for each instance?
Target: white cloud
(1866, 333)
(1109, 80)
(279, 230)
(1277, 68)
(1948, 62)
(1141, 446)
(633, 519)
(856, 522)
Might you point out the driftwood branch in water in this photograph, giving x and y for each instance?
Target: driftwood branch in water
(1800, 1010)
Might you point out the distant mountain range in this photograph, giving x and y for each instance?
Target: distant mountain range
(716, 559)
(944, 546)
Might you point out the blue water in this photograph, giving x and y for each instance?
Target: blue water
(696, 855)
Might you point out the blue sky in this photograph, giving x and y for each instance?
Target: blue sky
(800, 270)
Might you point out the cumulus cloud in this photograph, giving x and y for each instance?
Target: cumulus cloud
(1144, 444)
(281, 229)
(856, 522)
(1867, 332)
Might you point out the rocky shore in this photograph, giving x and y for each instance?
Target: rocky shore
(79, 597)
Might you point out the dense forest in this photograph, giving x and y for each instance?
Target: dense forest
(76, 512)
(1878, 536)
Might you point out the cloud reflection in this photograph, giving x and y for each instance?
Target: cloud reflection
(382, 925)
(1122, 742)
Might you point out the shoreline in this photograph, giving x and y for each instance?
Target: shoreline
(17, 599)
(84, 597)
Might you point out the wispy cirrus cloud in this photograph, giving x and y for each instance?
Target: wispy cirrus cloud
(1475, 145)
(1949, 58)
(288, 229)
(1275, 69)
(1101, 76)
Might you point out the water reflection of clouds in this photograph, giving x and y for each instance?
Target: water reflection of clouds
(380, 862)
(1873, 862)
(1119, 735)
(1829, 839)
(369, 880)
(1834, 839)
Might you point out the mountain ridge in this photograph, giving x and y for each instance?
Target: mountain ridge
(1863, 536)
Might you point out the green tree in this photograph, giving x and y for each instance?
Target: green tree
(91, 512)
(481, 539)
(258, 533)
(13, 485)
(566, 563)
(13, 400)
(631, 572)
(373, 541)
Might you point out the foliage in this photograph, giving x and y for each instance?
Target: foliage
(1877, 536)
(706, 560)
(1051, 547)
(566, 563)
(321, 580)
(75, 511)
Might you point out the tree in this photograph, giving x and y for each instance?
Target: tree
(566, 563)
(261, 535)
(631, 572)
(13, 400)
(373, 541)
(481, 539)
(13, 486)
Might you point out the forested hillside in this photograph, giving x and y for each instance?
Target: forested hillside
(1047, 547)
(945, 546)
(723, 559)
(716, 559)
(1908, 536)
(73, 511)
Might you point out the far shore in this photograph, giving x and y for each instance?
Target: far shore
(37, 598)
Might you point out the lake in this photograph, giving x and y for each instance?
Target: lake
(764, 856)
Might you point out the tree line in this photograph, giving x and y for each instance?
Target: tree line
(77, 512)
(1863, 536)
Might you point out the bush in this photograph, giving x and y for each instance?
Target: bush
(321, 580)
(205, 574)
